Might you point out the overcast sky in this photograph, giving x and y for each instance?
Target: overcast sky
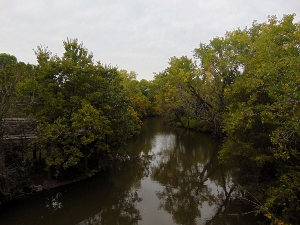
(136, 35)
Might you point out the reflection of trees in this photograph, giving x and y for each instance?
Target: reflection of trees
(231, 210)
(122, 203)
(54, 202)
(230, 206)
(184, 172)
(125, 209)
(189, 172)
(122, 211)
(109, 198)
(127, 175)
(185, 168)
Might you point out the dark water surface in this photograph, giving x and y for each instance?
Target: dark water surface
(170, 176)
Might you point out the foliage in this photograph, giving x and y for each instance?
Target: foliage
(14, 174)
(187, 97)
(82, 109)
(12, 74)
(262, 122)
(173, 90)
(134, 93)
(192, 95)
(14, 163)
(245, 85)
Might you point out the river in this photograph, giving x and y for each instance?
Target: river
(167, 176)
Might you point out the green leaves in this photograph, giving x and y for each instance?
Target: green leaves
(245, 84)
(13, 74)
(90, 124)
(85, 100)
(263, 111)
(134, 93)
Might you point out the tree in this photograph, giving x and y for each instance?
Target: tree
(172, 90)
(219, 66)
(262, 122)
(12, 73)
(14, 163)
(134, 94)
(82, 110)
(188, 97)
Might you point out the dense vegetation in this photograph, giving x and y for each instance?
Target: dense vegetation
(243, 87)
(83, 111)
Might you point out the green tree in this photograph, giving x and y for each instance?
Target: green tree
(12, 74)
(172, 90)
(124, 119)
(134, 94)
(262, 122)
(219, 66)
(148, 90)
(82, 110)
(14, 162)
(187, 96)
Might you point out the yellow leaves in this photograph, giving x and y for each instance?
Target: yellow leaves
(208, 76)
(268, 215)
(275, 221)
(277, 156)
(278, 222)
(281, 152)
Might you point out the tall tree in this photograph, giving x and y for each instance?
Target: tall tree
(262, 122)
(82, 109)
(188, 96)
(14, 163)
(219, 66)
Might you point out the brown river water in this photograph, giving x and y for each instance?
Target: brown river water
(169, 176)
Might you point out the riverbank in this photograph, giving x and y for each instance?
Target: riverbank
(39, 181)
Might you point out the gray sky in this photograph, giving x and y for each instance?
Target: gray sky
(136, 35)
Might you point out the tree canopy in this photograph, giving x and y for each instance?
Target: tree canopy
(82, 108)
(243, 87)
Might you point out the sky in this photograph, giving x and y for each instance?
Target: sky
(135, 35)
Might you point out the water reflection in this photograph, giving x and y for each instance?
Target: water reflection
(104, 199)
(196, 189)
(54, 202)
(165, 176)
(124, 212)
(185, 167)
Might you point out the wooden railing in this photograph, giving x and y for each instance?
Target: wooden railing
(17, 129)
